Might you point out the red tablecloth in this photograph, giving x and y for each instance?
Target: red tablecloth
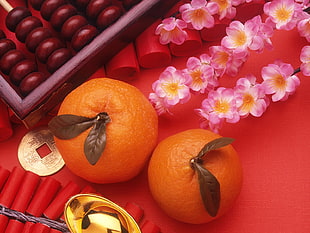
(274, 151)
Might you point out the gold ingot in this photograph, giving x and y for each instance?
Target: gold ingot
(90, 213)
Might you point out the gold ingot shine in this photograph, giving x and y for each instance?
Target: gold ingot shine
(90, 213)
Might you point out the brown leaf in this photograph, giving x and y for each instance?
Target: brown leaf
(215, 144)
(209, 189)
(95, 143)
(208, 184)
(68, 126)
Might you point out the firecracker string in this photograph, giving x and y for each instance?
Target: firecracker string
(58, 225)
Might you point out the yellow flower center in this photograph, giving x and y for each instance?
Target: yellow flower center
(221, 58)
(221, 106)
(196, 76)
(174, 32)
(283, 14)
(240, 38)
(198, 15)
(171, 89)
(223, 4)
(279, 82)
(307, 26)
(248, 102)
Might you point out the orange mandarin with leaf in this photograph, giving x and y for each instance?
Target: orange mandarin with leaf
(195, 176)
(105, 130)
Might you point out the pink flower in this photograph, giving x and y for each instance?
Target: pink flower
(283, 13)
(238, 2)
(239, 37)
(262, 38)
(227, 61)
(226, 9)
(250, 97)
(220, 106)
(201, 74)
(199, 13)
(305, 59)
(172, 87)
(279, 80)
(159, 104)
(304, 3)
(171, 30)
(303, 27)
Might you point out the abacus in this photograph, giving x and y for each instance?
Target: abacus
(33, 204)
(84, 35)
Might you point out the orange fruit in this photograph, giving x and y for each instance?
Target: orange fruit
(174, 183)
(131, 134)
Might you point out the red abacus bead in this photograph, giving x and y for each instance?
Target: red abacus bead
(72, 25)
(49, 6)
(46, 47)
(36, 36)
(94, 7)
(31, 81)
(108, 16)
(10, 59)
(21, 70)
(2, 34)
(26, 26)
(36, 4)
(57, 59)
(83, 37)
(61, 14)
(6, 45)
(15, 16)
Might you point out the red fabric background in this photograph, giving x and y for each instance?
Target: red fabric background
(274, 151)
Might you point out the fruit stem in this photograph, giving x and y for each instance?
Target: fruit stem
(195, 160)
(103, 116)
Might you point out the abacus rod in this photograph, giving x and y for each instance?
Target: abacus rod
(6, 5)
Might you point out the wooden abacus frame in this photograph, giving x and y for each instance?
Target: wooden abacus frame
(35, 105)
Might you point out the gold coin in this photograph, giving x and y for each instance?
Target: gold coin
(37, 153)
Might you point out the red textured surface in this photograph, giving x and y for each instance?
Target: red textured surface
(274, 152)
